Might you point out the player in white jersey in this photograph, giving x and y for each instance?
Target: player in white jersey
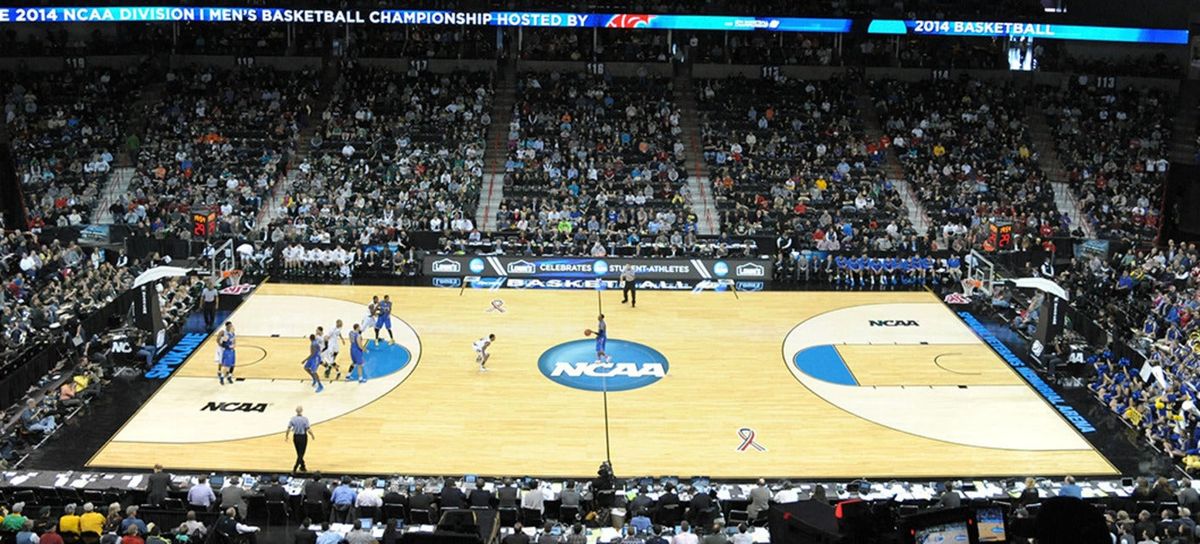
(333, 345)
(372, 314)
(481, 355)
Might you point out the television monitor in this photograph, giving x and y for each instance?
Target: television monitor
(1022, 55)
(990, 523)
(944, 533)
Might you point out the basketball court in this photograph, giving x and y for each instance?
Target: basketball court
(776, 384)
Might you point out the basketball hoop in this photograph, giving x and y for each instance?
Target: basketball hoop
(234, 276)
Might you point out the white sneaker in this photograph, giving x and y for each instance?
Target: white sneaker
(482, 369)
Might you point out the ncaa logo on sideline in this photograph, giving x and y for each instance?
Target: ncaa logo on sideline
(720, 269)
(476, 265)
(600, 268)
(633, 365)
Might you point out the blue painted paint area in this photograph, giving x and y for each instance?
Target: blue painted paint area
(826, 364)
(381, 359)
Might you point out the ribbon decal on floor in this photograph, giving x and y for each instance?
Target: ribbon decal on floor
(747, 435)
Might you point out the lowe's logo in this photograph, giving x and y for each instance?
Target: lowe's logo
(574, 364)
(893, 323)
(449, 266)
(751, 270)
(521, 267)
(259, 407)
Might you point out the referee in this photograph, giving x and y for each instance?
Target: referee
(300, 431)
(209, 298)
(628, 287)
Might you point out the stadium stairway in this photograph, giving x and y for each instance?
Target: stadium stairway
(118, 182)
(491, 194)
(123, 170)
(891, 165)
(273, 207)
(700, 198)
(1047, 153)
(1183, 127)
(147, 100)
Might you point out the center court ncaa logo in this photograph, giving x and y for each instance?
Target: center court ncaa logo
(633, 365)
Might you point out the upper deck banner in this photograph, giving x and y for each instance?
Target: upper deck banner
(167, 14)
(1044, 31)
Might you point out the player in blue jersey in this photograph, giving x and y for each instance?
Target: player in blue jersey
(314, 360)
(227, 340)
(358, 348)
(954, 268)
(842, 274)
(601, 333)
(384, 320)
(876, 266)
(904, 267)
(889, 271)
(924, 267)
(218, 356)
(855, 264)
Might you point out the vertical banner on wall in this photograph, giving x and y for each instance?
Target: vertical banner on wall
(1050, 319)
(145, 310)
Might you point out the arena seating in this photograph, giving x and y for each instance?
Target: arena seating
(351, 161)
(595, 167)
(790, 159)
(424, 43)
(1113, 144)
(1149, 300)
(68, 132)
(392, 153)
(968, 155)
(219, 141)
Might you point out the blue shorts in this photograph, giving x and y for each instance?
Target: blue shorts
(228, 358)
(356, 357)
(600, 342)
(384, 322)
(312, 362)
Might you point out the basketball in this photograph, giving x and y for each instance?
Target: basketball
(587, 332)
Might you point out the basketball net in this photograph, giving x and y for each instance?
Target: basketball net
(234, 276)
